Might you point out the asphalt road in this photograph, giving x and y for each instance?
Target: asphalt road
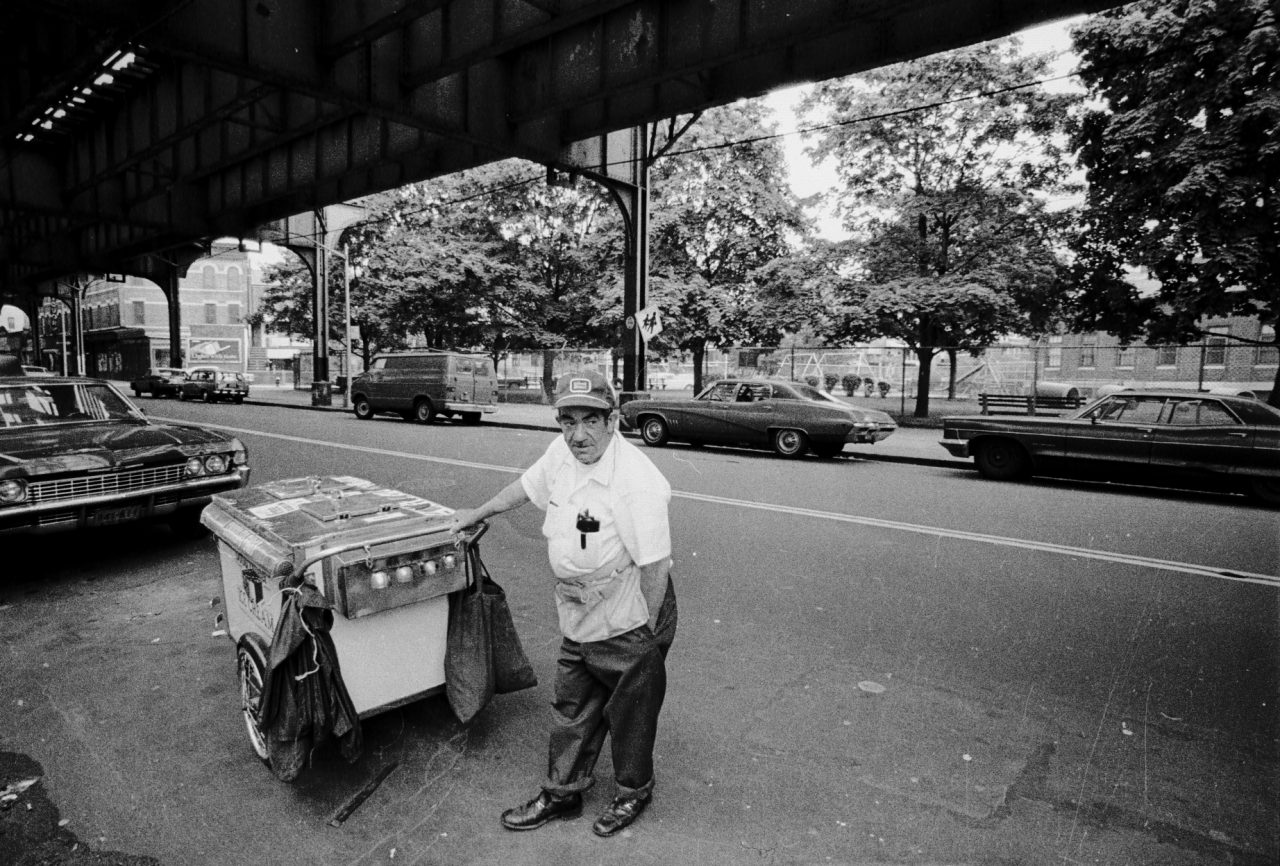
(1070, 674)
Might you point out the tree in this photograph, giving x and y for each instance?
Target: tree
(953, 246)
(1183, 164)
(721, 209)
(491, 259)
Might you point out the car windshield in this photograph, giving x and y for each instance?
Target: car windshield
(33, 405)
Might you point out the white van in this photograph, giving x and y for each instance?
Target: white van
(420, 386)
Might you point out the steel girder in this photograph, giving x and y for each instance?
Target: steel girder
(233, 113)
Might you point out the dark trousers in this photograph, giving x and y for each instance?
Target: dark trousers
(615, 687)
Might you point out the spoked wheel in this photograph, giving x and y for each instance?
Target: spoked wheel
(1001, 460)
(285, 758)
(790, 443)
(654, 431)
(252, 671)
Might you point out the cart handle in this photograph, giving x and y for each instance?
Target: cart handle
(463, 541)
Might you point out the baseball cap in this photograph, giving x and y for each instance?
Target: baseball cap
(585, 388)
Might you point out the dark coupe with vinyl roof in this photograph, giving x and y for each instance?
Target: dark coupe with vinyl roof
(75, 452)
(789, 417)
(1182, 433)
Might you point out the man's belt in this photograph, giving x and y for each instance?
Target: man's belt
(591, 589)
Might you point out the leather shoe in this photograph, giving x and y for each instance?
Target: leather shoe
(620, 814)
(540, 810)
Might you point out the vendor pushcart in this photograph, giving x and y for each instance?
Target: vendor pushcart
(381, 561)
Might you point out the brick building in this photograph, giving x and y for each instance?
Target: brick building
(126, 321)
(1091, 360)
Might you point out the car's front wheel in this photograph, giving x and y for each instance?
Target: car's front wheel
(790, 443)
(182, 395)
(423, 411)
(654, 431)
(363, 408)
(1001, 460)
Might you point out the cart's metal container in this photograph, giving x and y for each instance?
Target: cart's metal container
(385, 559)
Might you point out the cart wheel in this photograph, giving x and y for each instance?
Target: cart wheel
(252, 669)
(286, 759)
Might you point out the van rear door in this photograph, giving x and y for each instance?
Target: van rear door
(486, 384)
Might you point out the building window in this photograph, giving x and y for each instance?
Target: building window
(211, 314)
(1266, 356)
(1215, 348)
(1166, 356)
(233, 311)
(1124, 356)
(233, 279)
(1054, 361)
(209, 278)
(139, 312)
(1088, 350)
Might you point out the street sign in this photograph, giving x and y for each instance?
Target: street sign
(649, 320)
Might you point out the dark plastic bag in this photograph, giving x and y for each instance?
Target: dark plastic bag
(483, 654)
(468, 657)
(511, 669)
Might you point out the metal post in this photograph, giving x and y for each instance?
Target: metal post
(346, 326)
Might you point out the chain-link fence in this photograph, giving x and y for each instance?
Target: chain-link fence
(885, 370)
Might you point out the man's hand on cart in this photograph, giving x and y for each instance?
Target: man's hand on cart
(464, 519)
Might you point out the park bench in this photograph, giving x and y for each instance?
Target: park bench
(1026, 404)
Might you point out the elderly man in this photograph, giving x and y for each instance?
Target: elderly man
(609, 542)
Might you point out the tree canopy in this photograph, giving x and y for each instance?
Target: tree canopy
(1183, 162)
(945, 163)
(721, 208)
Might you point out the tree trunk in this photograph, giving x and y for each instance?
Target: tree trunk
(548, 374)
(924, 354)
(1274, 399)
(699, 351)
(951, 379)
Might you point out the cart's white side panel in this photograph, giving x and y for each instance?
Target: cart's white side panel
(245, 611)
(391, 655)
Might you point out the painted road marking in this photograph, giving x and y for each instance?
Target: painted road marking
(1216, 572)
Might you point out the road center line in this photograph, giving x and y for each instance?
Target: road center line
(920, 529)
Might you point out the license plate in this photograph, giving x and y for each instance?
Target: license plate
(109, 516)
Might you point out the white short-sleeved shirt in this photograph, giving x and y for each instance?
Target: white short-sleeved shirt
(627, 494)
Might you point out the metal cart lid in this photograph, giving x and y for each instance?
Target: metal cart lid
(279, 518)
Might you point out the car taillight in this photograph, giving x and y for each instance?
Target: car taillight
(12, 492)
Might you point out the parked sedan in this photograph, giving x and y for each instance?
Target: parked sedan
(1183, 432)
(75, 452)
(789, 417)
(211, 385)
(158, 382)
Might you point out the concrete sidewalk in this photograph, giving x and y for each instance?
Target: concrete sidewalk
(917, 445)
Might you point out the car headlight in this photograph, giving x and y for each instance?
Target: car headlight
(195, 466)
(12, 492)
(215, 464)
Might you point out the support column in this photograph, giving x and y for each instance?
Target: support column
(632, 198)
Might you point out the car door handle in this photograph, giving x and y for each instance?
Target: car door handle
(1239, 434)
